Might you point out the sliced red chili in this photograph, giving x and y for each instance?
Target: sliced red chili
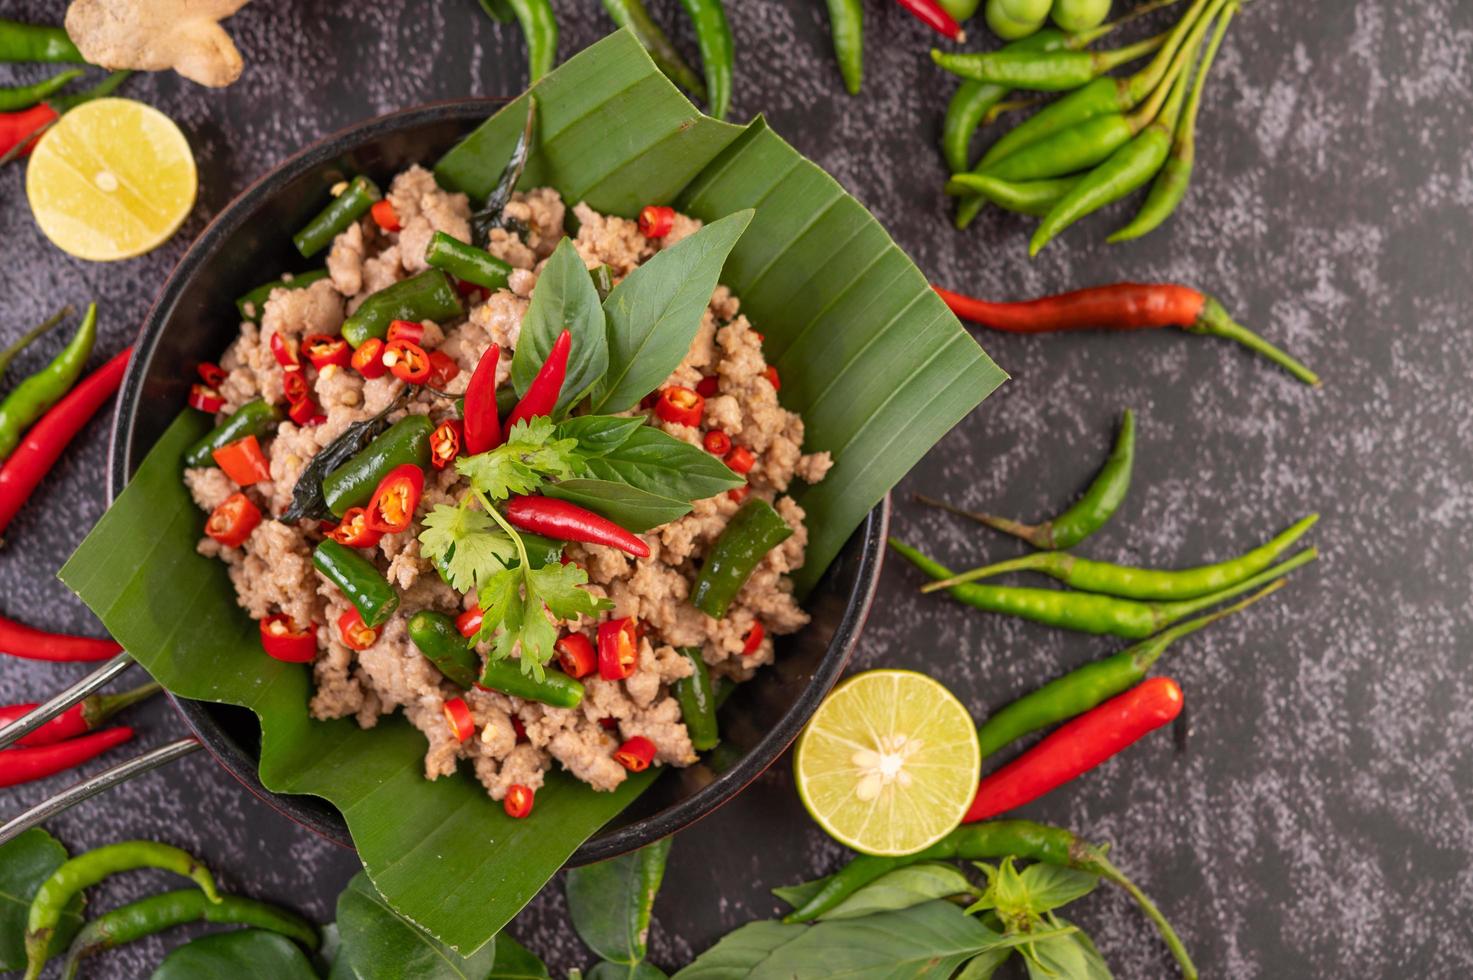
(770, 373)
(243, 461)
(354, 530)
(408, 361)
(354, 634)
(753, 639)
(470, 290)
(285, 351)
(368, 359)
(518, 801)
(519, 728)
(608, 724)
(636, 754)
(385, 216)
(458, 717)
(739, 493)
(233, 521)
(205, 399)
(680, 405)
(294, 384)
(305, 413)
(212, 374)
(406, 330)
(445, 443)
(708, 386)
(656, 221)
(443, 369)
(717, 443)
(575, 655)
(281, 640)
(323, 350)
(618, 648)
(392, 508)
(741, 460)
(469, 622)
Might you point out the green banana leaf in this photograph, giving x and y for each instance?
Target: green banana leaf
(871, 357)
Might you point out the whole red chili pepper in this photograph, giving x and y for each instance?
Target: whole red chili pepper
(542, 394)
(1124, 306)
(564, 521)
(930, 13)
(80, 718)
(1077, 747)
(31, 644)
(482, 422)
(25, 764)
(19, 131)
(43, 444)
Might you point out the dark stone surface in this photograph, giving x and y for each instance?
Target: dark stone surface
(1313, 820)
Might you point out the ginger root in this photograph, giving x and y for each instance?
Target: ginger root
(152, 35)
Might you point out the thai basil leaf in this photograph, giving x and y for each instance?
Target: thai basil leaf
(489, 216)
(741, 951)
(516, 962)
(564, 299)
(796, 896)
(307, 499)
(984, 965)
(654, 312)
(378, 942)
(1070, 956)
(662, 464)
(25, 863)
(900, 889)
(599, 434)
(1049, 886)
(629, 507)
(231, 955)
(610, 902)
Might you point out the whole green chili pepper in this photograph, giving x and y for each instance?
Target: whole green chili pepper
(36, 42)
(30, 399)
(437, 638)
(554, 687)
(1170, 186)
(466, 262)
(88, 869)
(1093, 684)
(253, 303)
(65, 103)
(133, 921)
(359, 581)
(753, 531)
(254, 418)
(353, 483)
(1042, 71)
(846, 24)
(25, 96)
(697, 702)
(1032, 197)
(1141, 583)
(427, 296)
(32, 335)
(352, 204)
(1094, 508)
(633, 15)
(539, 26)
(1086, 612)
(714, 37)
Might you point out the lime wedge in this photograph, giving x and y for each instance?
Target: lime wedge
(112, 179)
(889, 763)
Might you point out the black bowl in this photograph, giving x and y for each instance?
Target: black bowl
(193, 319)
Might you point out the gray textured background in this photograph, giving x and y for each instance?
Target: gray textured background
(1311, 818)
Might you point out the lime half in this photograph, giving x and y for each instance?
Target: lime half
(889, 763)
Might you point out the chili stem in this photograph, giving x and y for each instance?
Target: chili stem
(1168, 934)
(1183, 57)
(32, 335)
(1214, 321)
(1151, 651)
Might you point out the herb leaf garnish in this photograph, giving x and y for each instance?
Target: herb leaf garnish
(489, 216)
(563, 299)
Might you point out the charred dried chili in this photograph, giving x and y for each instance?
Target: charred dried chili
(542, 394)
(352, 484)
(283, 640)
(80, 718)
(1125, 306)
(618, 648)
(30, 399)
(23, 765)
(563, 520)
(358, 580)
(753, 531)
(22, 641)
(233, 521)
(347, 207)
(43, 444)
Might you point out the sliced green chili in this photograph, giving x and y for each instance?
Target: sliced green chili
(1033, 197)
(438, 639)
(253, 303)
(353, 483)
(32, 335)
(427, 296)
(754, 530)
(255, 418)
(717, 59)
(633, 15)
(846, 24)
(154, 914)
(352, 204)
(25, 96)
(30, 399)
(358, 580)
(466, 262)
(36, 42)
(698, 702)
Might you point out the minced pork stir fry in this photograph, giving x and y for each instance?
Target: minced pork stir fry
(370, 498)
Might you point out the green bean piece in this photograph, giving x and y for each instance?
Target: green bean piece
(30, 399)
(1094, 508)
(1171, 184)
(437, 637)
(255, 418)
(539, 26)
(25, 96)
(353, 483)
(553, 687)
(86, 870)
(1032, 197)
(427, 296)
(717, 58)
(753, 531)
(352, 204)
(846, 24)
(358, 580)
(154, 914)
(32, 335)
(466, 262)
(1214, 321)
(697, 702)
(36, 42)
(633, 15)
(1141, 583)
(1042, 71)
(253, 303)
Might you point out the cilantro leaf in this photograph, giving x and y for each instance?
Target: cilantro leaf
(466, 543)
(515, 606)
(500, 599)
(531, 455)
(561, 587)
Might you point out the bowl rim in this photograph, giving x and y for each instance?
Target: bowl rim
(319, 815)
